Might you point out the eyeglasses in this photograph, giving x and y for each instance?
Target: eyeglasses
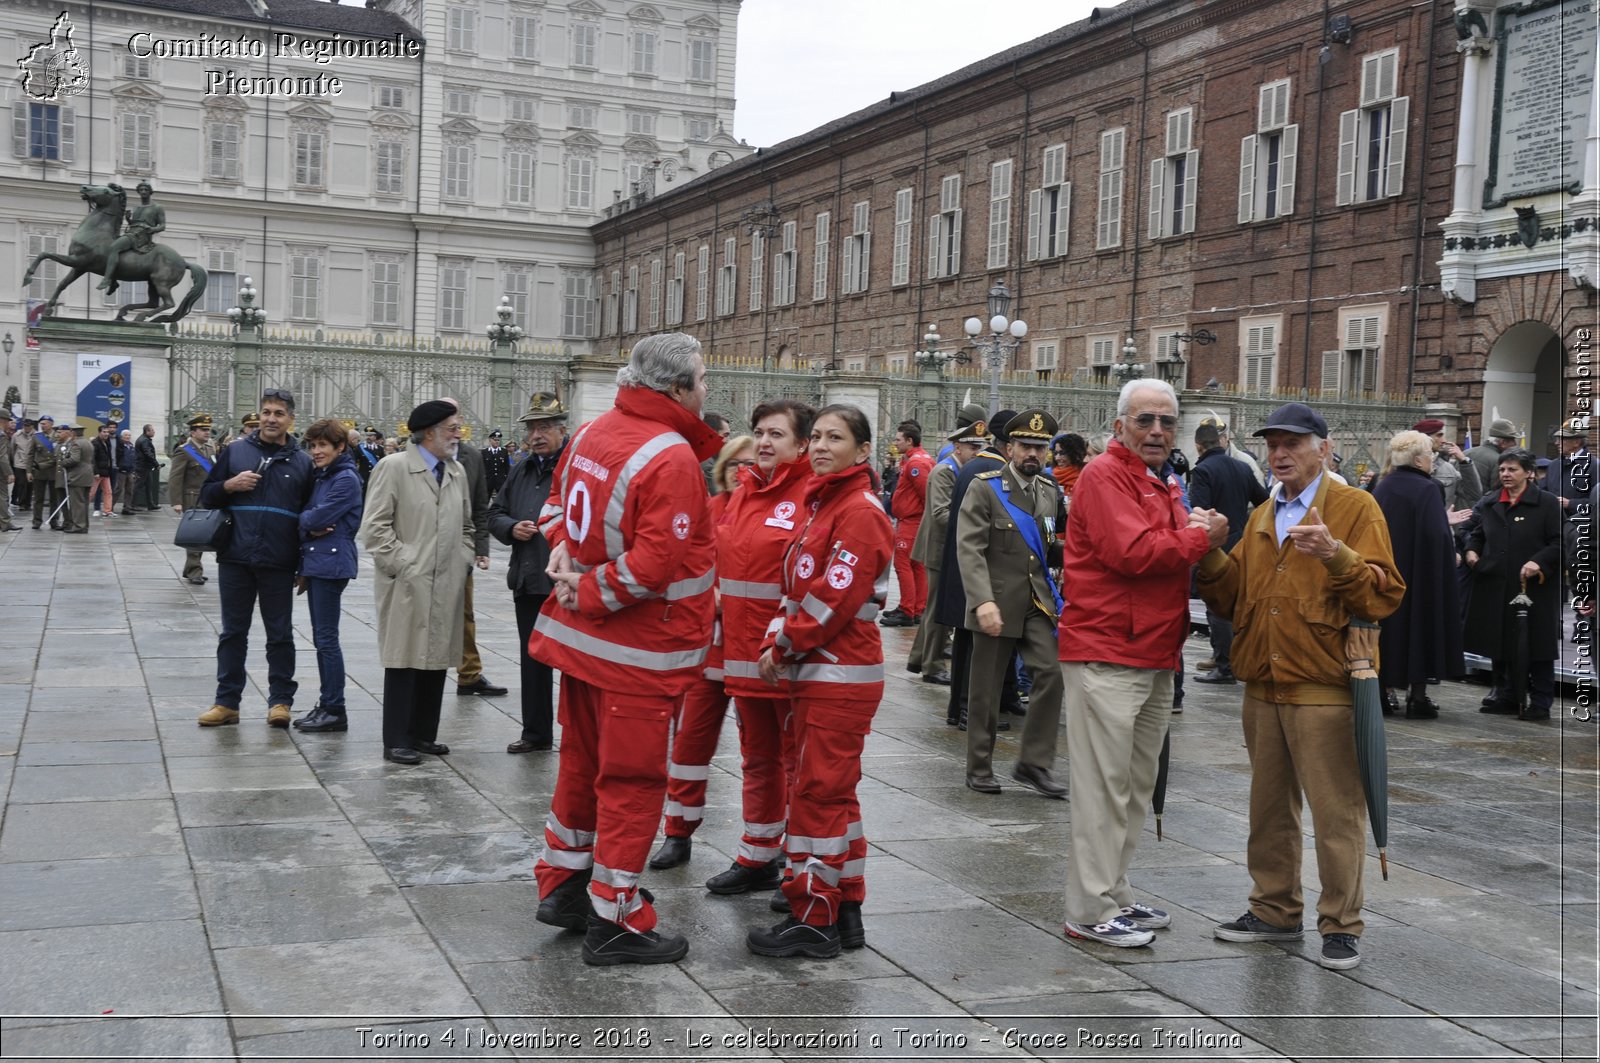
(1148, 420)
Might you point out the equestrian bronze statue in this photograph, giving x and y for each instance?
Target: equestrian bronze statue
(133, 256)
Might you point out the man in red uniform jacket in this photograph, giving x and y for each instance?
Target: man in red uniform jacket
(633, 561)
(906, 506)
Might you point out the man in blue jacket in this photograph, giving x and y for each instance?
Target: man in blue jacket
(264, 482)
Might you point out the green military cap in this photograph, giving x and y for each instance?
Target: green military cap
(1031, 426)
(252, 420)
(544, 406)
(200, 420)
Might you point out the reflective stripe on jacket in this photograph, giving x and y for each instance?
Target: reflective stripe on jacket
(762, 519)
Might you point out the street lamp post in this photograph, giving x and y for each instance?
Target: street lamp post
(8, 345)
(503, 332)
(1129, 367)
(1004, 337)
(246, 316)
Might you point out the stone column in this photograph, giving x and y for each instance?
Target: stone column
(246, 379)
(1457, 275)
(1583, 249)
(865, 392)
(593, 388)
(502, 384)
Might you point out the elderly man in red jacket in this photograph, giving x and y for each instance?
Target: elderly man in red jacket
(1130, 543)
(633, 561)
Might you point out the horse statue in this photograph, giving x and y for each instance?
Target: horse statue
(160, 266)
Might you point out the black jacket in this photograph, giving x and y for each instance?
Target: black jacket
(952, 603)
(1505, 537)
(521, 498)
(105, 461)
(471, 460)
(145, 447)
(1221, 482)
(266, 521)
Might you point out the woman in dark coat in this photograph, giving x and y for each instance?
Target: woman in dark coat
(1421, 640)
(1516, 535)
(328, 527)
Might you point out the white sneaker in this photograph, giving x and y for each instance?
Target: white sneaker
(1119, 932)
(1142, 915)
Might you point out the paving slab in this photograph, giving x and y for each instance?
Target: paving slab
(132, 889)
(148, 968)
(77, 831)
(280, 906)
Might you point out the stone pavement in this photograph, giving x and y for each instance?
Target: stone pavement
(171, 892)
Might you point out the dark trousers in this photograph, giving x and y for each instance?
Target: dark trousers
(1221, 632)
(322, 598)
(1541, 683)
(47, 499)
(412, 699)
(239, 588)
(149, 494)
(960, 665)
(538, 678)
(22, 490)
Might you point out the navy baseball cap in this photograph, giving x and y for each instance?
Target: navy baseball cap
(1294, 417)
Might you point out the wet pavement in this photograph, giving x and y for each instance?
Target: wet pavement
(168, 891)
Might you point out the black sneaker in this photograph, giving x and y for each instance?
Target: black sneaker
(1339, 951)
(607, 944)
(852, 932)
(794, 938)
(1248, 928)
(567, 906)
(741, 878)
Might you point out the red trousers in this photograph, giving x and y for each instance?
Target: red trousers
(913, 575)
(827, 848)
(696, 727)
(766, 744)
(607, 802)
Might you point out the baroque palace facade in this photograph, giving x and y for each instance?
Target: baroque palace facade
(423, 159)
(1261, 195)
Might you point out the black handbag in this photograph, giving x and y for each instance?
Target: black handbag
(204, 529)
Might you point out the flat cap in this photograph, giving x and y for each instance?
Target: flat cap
(1294, 417)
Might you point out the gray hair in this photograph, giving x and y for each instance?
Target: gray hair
(661, 362)
(1406, 447)
(1144, 383)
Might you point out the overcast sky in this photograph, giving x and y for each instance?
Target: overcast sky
(803, 63)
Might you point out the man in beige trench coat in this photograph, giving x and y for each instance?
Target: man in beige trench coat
(418, 529)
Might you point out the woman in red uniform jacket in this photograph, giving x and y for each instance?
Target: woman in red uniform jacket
(825, 651)
(759, 525)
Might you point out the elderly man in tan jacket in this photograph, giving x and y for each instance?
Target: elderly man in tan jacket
(418, 529)
(1310, 561)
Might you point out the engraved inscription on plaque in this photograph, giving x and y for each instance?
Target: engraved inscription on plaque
(1542, 93)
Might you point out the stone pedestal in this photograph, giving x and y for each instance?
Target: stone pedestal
(66, 344)
(594, 389)
(864, 393)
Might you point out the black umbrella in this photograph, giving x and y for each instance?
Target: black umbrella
(1372, 748)
(1519, 653)
(1158, 797)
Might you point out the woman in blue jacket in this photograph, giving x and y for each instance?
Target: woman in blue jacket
(328, 562)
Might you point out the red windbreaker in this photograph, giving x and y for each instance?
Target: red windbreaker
(911, 489)
(629, 502)
(761, 521)
(1126, 573)
(835, 580)
(712, 669)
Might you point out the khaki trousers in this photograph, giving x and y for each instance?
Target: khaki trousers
(1310, 748)
(990, 658)
(471, 664)
(1116, 721)
(927, 648)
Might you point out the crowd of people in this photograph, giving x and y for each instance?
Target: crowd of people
(667, 564)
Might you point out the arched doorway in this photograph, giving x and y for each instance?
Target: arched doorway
(1522, 383)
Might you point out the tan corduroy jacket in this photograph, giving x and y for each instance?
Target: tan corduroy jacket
(1289, 610)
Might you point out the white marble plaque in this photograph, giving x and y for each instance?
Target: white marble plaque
(1542, 93)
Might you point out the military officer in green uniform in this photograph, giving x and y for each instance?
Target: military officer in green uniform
(970, 436)
(45, 475)
(191, 464)
(76, 458)
(1003, 535)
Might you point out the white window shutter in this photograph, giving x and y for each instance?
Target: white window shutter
(865, 263)
(847, 269)
(69, 134)
(954, 223)
(1158, 178)
(1399, 113)
(1369, 370)
(1288, 148)
(1349, 129)
(1055, 165)
(1370, 93)
(1035, 221)
(1332, 372)
(1191, 187)
(19, 128)
(1063, 217)
(1247, 179)
(819, 256)
(1388, 74)
(935, 242)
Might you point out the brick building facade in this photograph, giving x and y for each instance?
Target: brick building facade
(1254, 170)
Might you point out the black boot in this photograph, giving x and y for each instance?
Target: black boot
(794, 938)
(741, 878)
(673, 851)
(852, 934)
(1423, 708)
(607, 944)
(567, 906)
